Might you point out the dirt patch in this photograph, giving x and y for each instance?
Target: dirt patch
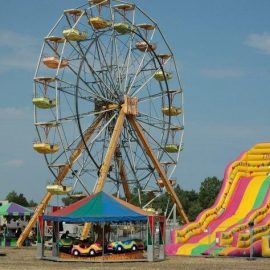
(25, 259)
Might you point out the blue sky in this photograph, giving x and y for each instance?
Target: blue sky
(223, 53)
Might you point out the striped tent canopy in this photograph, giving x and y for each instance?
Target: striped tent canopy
(99, 207)
(14, 209)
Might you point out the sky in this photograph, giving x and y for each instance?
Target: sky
(222, 48)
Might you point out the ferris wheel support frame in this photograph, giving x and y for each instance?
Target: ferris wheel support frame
(158, 167)
(62, 174)
(123, 177)
(129, 112)
(107, 163)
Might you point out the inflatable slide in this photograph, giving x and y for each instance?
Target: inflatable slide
(240, 216)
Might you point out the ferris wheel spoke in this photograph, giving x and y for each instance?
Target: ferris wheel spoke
(80, 52)
(143, 156)
(158, 145)
(84, 186)
(127, 60)
(100, 45)
(122, 52)
(147, 81)
(96, 78)
(93, 72)
(104, 127)
(137, 72)
(133, 172)
(152, 118)
(97, 64)
(154, 125)
(81, 115)
(117, 59)
(140, 68)
(157, 95)
(91, 90)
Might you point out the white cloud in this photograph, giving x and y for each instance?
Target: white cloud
(17, 51)
(260, 42)
(13, 163)
(14, 40)
(225, 131)
(221, 73)
(13, 113)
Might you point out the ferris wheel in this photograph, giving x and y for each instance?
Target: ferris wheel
(108, 104)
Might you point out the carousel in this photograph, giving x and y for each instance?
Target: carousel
(119, 231)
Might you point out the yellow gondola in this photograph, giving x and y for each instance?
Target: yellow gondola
(74, 12)
(160, 76)
(176, 128)
(99, 2)
(146, 26)
(164, 56)
(56, 189)
(172, 111)
(78, 196)
(144, 46)
(99, 23)
(172, 148)
(125, 7)
(150, 210)
(123, 28)
(44, 80)
(46, 148)
(55, 39)
(44, 102)
(73, 34)
(54, 62)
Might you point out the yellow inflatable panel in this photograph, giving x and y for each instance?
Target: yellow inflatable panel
(254, 167)
(262, 145)
(266, 246)
(246, 204)
(259, 151)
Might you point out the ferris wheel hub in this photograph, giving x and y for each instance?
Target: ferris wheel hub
(130, 105)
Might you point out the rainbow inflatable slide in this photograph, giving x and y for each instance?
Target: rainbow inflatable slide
(240, 216)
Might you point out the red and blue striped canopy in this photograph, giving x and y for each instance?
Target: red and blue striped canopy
(99, 207)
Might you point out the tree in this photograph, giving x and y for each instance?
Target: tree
(208, 191)
(32, 203)
(194, 210)
(72, 199)
(19, 199)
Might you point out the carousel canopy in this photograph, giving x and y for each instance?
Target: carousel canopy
(99, 207)
(14, 209)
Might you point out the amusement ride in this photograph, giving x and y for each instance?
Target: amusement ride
(108, 106)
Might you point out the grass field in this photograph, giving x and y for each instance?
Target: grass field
(25, 259)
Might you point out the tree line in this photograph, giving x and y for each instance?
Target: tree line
(192, 201)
